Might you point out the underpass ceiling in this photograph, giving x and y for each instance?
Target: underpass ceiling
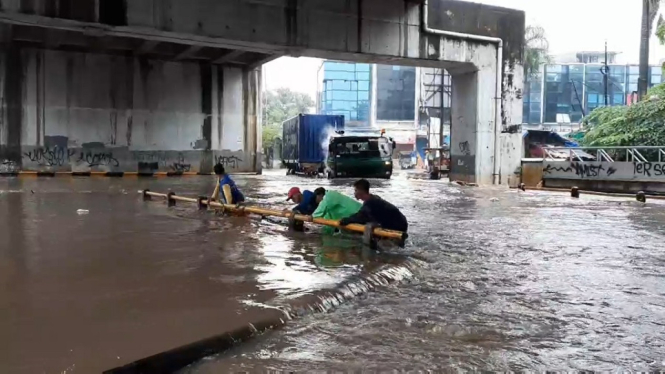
(68, 40)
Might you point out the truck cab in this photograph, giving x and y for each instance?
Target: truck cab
(360, 156)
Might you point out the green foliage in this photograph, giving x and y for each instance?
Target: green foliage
(660, 30)
(270, 132)
(640, 124)
(280, 105)
(536, 50)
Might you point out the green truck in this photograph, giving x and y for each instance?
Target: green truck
(359, 156)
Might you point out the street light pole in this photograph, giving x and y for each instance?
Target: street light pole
(605, 70)
(605, 75)
(642, 82)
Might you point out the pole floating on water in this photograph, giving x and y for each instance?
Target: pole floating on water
(201, 202)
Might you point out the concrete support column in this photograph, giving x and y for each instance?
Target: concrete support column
(473, 130)
(12, 94)
(252, 99)
(463, 127)
(208, 85)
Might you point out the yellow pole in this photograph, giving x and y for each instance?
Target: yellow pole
(278, 213)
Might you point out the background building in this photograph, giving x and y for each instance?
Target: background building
(345, 89)
(412, 104)
(564, 93)
(587, 57)
(435, 103)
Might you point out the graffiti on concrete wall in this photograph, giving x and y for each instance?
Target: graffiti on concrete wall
(8, 166)
(179, 164)
(49, 156)
(58, 157)
(230, 162)
(97, 158)
(465, 148)
(620, 171)
(161, 160)
(649, 169)
(581, 169)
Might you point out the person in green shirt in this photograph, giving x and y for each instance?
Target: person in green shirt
(334, 206)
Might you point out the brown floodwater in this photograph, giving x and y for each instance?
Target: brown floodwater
(89, 292)
(513, 281)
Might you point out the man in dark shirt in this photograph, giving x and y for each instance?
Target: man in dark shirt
(375, 210)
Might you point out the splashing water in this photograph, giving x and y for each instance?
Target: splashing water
(326, 135)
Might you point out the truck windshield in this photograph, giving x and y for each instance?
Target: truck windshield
(363, 147)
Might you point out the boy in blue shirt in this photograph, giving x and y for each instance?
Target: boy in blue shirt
(224, 178)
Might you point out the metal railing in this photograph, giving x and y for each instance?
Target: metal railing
(606, 154)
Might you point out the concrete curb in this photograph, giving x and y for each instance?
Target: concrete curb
(587, 192)
(106, 174)
(323, 301)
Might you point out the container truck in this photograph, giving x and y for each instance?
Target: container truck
(316, 144)
(305, 142)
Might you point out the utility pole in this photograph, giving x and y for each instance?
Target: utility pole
(642, 82)
(605, 70)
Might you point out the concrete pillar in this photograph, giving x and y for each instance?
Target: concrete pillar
(12, 94)
(84, 112)
(473, 130)
(463, 127)
(252, 98)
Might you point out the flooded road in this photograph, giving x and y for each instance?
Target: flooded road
(513, 280)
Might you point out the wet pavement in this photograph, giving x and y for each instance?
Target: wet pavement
(513, 280)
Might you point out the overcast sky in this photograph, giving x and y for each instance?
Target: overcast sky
(571, 25)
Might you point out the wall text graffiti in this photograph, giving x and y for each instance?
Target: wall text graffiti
(97, 158)
(49, 156)
(231, 162)
(624, 171)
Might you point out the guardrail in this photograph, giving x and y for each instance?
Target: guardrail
(641, 154)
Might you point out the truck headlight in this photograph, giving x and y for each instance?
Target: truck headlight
(389, 163)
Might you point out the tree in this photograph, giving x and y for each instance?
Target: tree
(536, 51)
(650, 9)
(660, 33)
(642, 123)
(282, 104)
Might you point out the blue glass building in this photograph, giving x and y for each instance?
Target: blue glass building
(572, 90)
(346, 90)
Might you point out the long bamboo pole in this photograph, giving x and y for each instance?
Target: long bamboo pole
(391, 234)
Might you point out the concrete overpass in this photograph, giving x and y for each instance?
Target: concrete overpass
(174, 85)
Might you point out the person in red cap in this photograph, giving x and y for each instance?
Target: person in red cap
(306, 201)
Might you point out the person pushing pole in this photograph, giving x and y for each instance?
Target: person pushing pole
(230, 192)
